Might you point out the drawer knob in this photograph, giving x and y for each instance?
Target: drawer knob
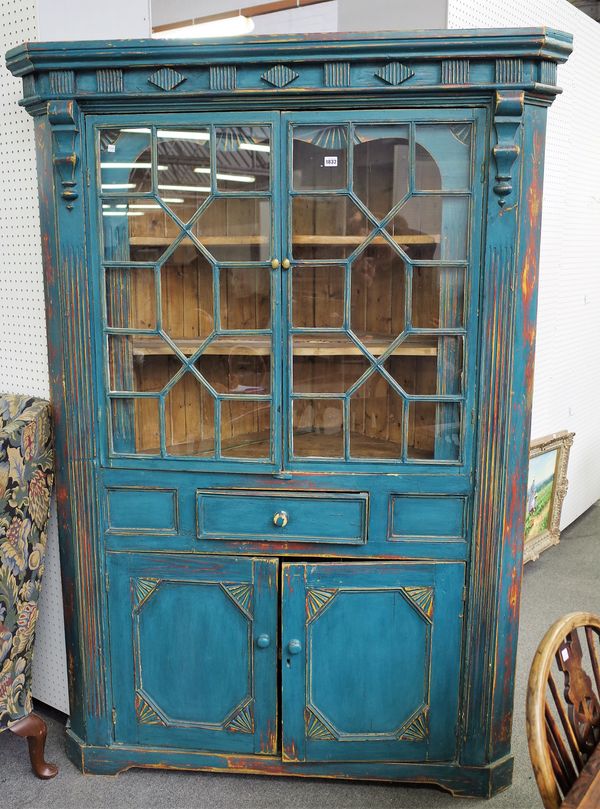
(263, 641)
(281, 519)
(294, 647)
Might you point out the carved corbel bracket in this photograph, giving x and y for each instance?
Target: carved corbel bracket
(63, 117)
(508, 115)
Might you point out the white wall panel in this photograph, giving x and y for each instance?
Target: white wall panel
(567, 370)
(23, 354)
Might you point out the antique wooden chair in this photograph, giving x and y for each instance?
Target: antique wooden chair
(563, 723)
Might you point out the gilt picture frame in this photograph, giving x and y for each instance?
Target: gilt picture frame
(547, 487)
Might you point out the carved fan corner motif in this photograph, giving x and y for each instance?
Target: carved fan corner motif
(243, 722)
(417, 729)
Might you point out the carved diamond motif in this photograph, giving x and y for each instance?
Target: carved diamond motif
(279, 75)
(394, 73)
(166, 78)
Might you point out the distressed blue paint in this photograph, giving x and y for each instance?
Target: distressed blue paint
(154, 511)
(135, 643)
(310, 517)
(417, 517)
(374, 661)
(161, 606)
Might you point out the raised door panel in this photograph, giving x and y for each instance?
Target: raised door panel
(371, 660)
(193, 643)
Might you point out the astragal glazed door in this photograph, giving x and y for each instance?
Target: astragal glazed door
(382, 286)
(371, 661)
(280, 292)
(194, 652)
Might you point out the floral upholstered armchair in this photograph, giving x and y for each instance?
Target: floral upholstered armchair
(26, 477)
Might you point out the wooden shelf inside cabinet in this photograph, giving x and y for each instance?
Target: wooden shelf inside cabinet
(300, 240)
(304, 346)
(310, 444)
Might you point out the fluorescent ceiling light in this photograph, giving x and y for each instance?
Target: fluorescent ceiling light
(234, 178)
(182, 135)
(118, 185)
(185, 134)
(201, 189)
(148, 206)
(255, 147)
(173, 200)
(228, 27)
(122, 213)
(130, 166)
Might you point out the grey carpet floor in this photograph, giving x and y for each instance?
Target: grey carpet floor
(565, 578)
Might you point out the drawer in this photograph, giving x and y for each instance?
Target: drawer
(246, 515)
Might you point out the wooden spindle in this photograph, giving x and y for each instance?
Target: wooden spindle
(561, 748)
(568, 728)
(590, 635)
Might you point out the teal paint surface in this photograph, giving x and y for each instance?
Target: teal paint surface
(309, 517)
(142, 511)
(173, 656)
(440, 517)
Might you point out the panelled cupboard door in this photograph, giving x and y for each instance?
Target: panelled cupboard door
(371, 661)
(193, 646)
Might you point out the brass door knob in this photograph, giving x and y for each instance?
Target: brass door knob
(285, 263)
(275, 263)
(281, 519)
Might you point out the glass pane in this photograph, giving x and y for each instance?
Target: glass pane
(239, 167)
(432, 227)
(139, 363)
(381, 166)
(186, 282)
(438, 295)
(238, 364)
(320, 157)
(125, 160)
(427, 366)
(236, 229)
(443, 157)
(136, 229)
(180, 153)
(245, 297)
(245, 429)
(135, 426)
(130, 298)
(434, 431)
(376, 416)
(326, 363)
(189, 418)
(318, 428)
(378, 289)
(318, 296)
(327, 227)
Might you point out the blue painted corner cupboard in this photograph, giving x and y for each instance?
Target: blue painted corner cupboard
(291, 296)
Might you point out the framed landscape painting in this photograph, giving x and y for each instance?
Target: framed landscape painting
(546, 489)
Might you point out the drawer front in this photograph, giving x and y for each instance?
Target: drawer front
(240, 515)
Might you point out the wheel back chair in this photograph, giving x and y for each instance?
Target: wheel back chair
(563, 713)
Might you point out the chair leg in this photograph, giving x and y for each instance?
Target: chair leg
(33, 728)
